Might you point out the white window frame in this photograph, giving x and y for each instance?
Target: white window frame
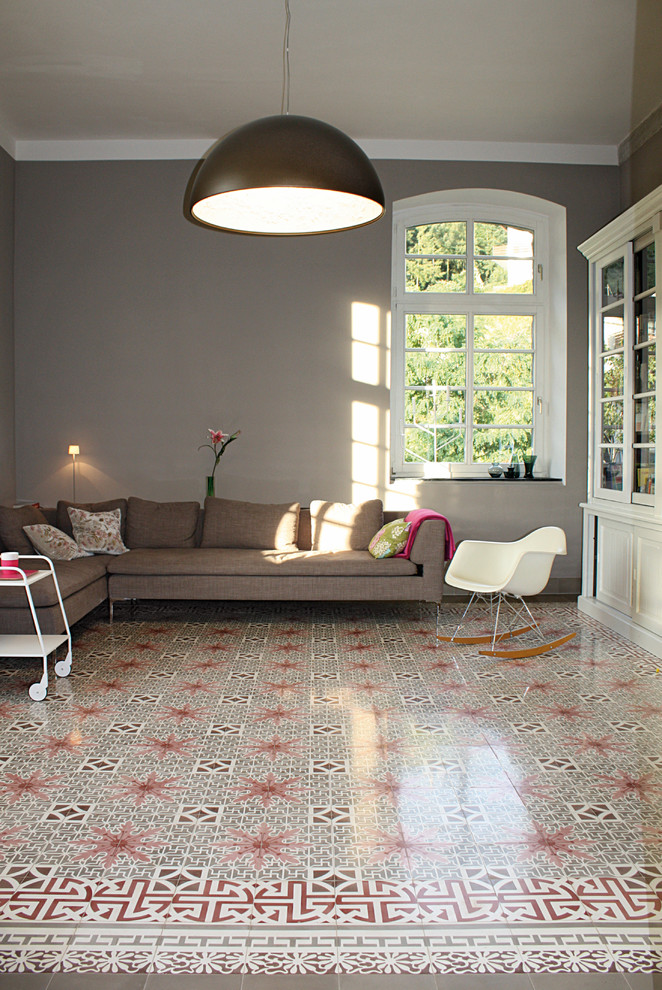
(548, 303)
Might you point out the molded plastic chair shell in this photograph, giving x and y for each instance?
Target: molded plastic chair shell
(519, 568)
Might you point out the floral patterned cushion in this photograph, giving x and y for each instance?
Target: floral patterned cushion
(97, 532)
(391, 539)
(53, 543)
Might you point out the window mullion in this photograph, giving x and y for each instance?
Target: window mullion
(469, 398)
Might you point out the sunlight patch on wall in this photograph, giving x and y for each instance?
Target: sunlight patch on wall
(366, 351)
(365, 451)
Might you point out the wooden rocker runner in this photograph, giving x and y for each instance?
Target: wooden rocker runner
(501, 574)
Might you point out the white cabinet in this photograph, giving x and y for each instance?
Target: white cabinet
(622, 551)
(36, 644)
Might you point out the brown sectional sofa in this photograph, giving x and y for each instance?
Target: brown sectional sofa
(168, 559)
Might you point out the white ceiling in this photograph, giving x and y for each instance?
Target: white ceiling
(577, 73)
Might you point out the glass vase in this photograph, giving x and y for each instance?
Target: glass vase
(210, 485)
(529, 461)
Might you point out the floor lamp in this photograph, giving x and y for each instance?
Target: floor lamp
(73, 450)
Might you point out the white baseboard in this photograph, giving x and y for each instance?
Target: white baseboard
(621, 624)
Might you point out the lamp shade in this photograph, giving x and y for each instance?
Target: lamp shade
(74, 449)
(285, 174)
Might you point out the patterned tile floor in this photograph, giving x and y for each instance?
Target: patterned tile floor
(319, 789)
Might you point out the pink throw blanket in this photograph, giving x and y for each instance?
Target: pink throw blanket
(416, 517)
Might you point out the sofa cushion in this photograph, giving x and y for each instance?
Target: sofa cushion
(12, 522)
(161, 524)
(258, 563)
(97, 532)
(342, 526)
(391, 539)
(52, 542)
(72, 576)
(250, 525)
(63, 522)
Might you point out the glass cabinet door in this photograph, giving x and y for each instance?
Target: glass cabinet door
(625, 414)
(643, 482)
(611, 391)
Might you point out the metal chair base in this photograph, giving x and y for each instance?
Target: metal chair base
(497, 602)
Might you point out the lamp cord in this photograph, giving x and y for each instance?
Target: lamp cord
(285, 98)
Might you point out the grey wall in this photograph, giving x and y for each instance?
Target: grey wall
(7, 453)
(641, 173)
(135, 331)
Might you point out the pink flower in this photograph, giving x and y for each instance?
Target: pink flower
(218, 441)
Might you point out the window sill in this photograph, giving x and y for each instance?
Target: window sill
(509, 481)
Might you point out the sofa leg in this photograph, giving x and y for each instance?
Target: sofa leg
(111, 604)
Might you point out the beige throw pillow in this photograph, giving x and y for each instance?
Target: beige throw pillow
(156, 525)
(343, 526)
(53, 543)
(250, 525)
(97, 532)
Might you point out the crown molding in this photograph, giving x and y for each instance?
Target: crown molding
(493, 151)
(193, 149)
(642, 133)
(112, 150)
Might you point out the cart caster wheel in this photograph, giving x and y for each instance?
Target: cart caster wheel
(37, 691)
(63, 668)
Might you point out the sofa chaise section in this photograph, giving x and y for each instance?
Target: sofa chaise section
(83, 585)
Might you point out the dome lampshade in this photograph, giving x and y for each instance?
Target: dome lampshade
(283, 175)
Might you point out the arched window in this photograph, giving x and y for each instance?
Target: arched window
(478, 333)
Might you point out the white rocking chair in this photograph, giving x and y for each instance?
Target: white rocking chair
(502, 574)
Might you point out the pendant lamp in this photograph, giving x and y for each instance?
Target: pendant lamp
(284, 175)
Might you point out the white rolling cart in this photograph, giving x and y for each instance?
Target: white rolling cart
(35, 645)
